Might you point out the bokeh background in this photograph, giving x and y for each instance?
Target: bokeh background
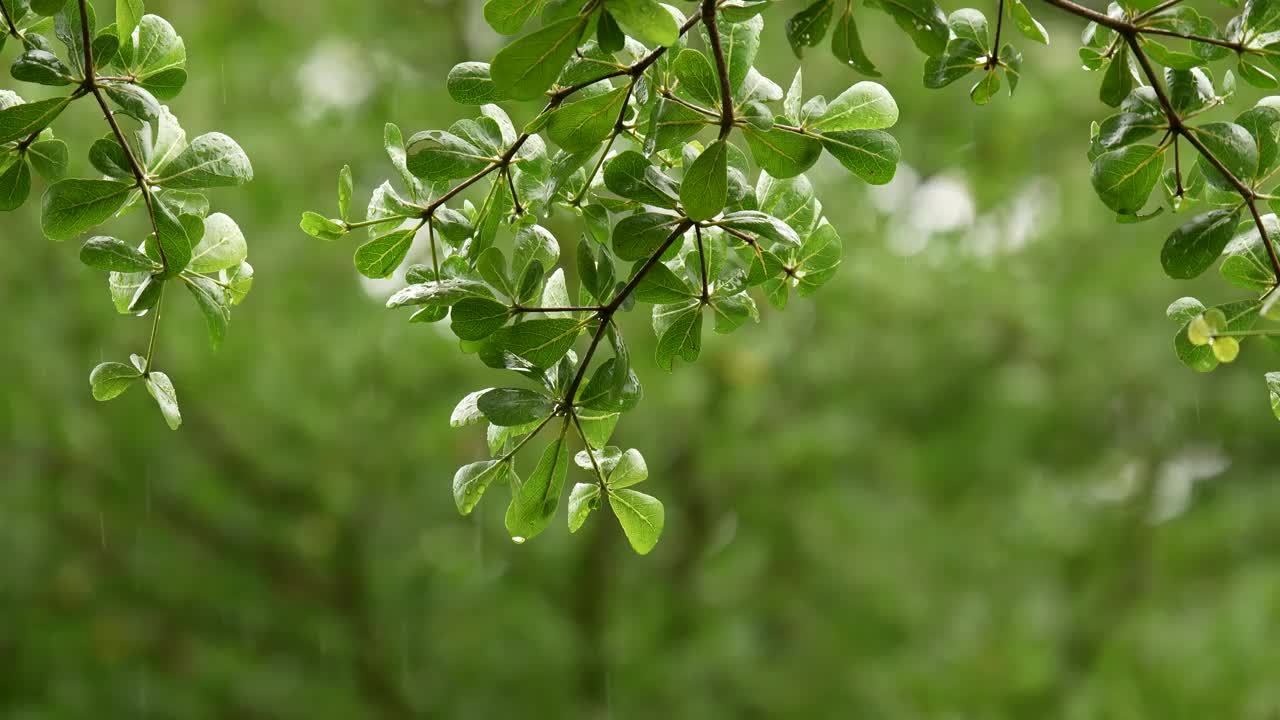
(969, 479)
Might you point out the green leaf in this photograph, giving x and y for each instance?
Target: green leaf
(641, 516)
(155, 56)
(732, 311)
(1189, 90)
(380, 257)
(1124, 178)
(819, 259)
(847, 46)
(807, 27)
(346, 186)
(1117, 81)
(223, 246)
(470, 482)
(760, 224)
(469, 84)
(535, 502)
(629, 469)
(986, 88)
(1026, 24)
(212, 301)
(679, 331)
(1273, 389)
(540, 342)
(49, 158)
(865, 106)
(629, 174)
(24, 119)
(128, 15)
(870, 154)
(780, 153)
(509, 407)
(637, 237)
(318, 226)
(969, 24)
(477, 318)
(698, 79)
(441, 293)
(71, 207)
(645, 20)
(173, 238)
(524, 69)
(47, 7)
(110, 379)
(108, 253)
(922, 20)
(41, 67)
(239, 281)
(1234, 147)
(740, 42)
(436, 155)
(211, 160)
(15, 184)
(662, 286)
(161, 388)
(1262, 15)
(582, 125)
(705, 187)
(1246, 263)
(509, 16)
(1192, 248)
(584, 498)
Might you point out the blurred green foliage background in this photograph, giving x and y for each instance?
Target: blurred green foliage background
(970, 480)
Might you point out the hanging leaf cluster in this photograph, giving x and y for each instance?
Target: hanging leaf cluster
(144, 162)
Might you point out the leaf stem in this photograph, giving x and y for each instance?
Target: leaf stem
(591, 453)
(993, 60)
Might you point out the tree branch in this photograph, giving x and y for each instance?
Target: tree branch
(722, 67)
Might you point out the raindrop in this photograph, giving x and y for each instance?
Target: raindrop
(517, 540)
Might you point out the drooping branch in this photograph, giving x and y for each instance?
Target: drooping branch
(1131, 32)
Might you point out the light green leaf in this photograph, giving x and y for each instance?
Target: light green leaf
(1124, 178)
(662, 286)
(212, 300)
(527, 67)
(679, 331)
(509, 16)
(536, 501)
(318, 226)
(477, 318)
(223, 246)
(24, 119)
(470, 482)
(865, 106)
(584, 498)
(641, 516)
(645, 20)
(629, 469)
(780, 153)
(380, 257)
(870, 154)
(436, 155)
(582, 125)
(161, 388)
(110, 379)
(1026, 24)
